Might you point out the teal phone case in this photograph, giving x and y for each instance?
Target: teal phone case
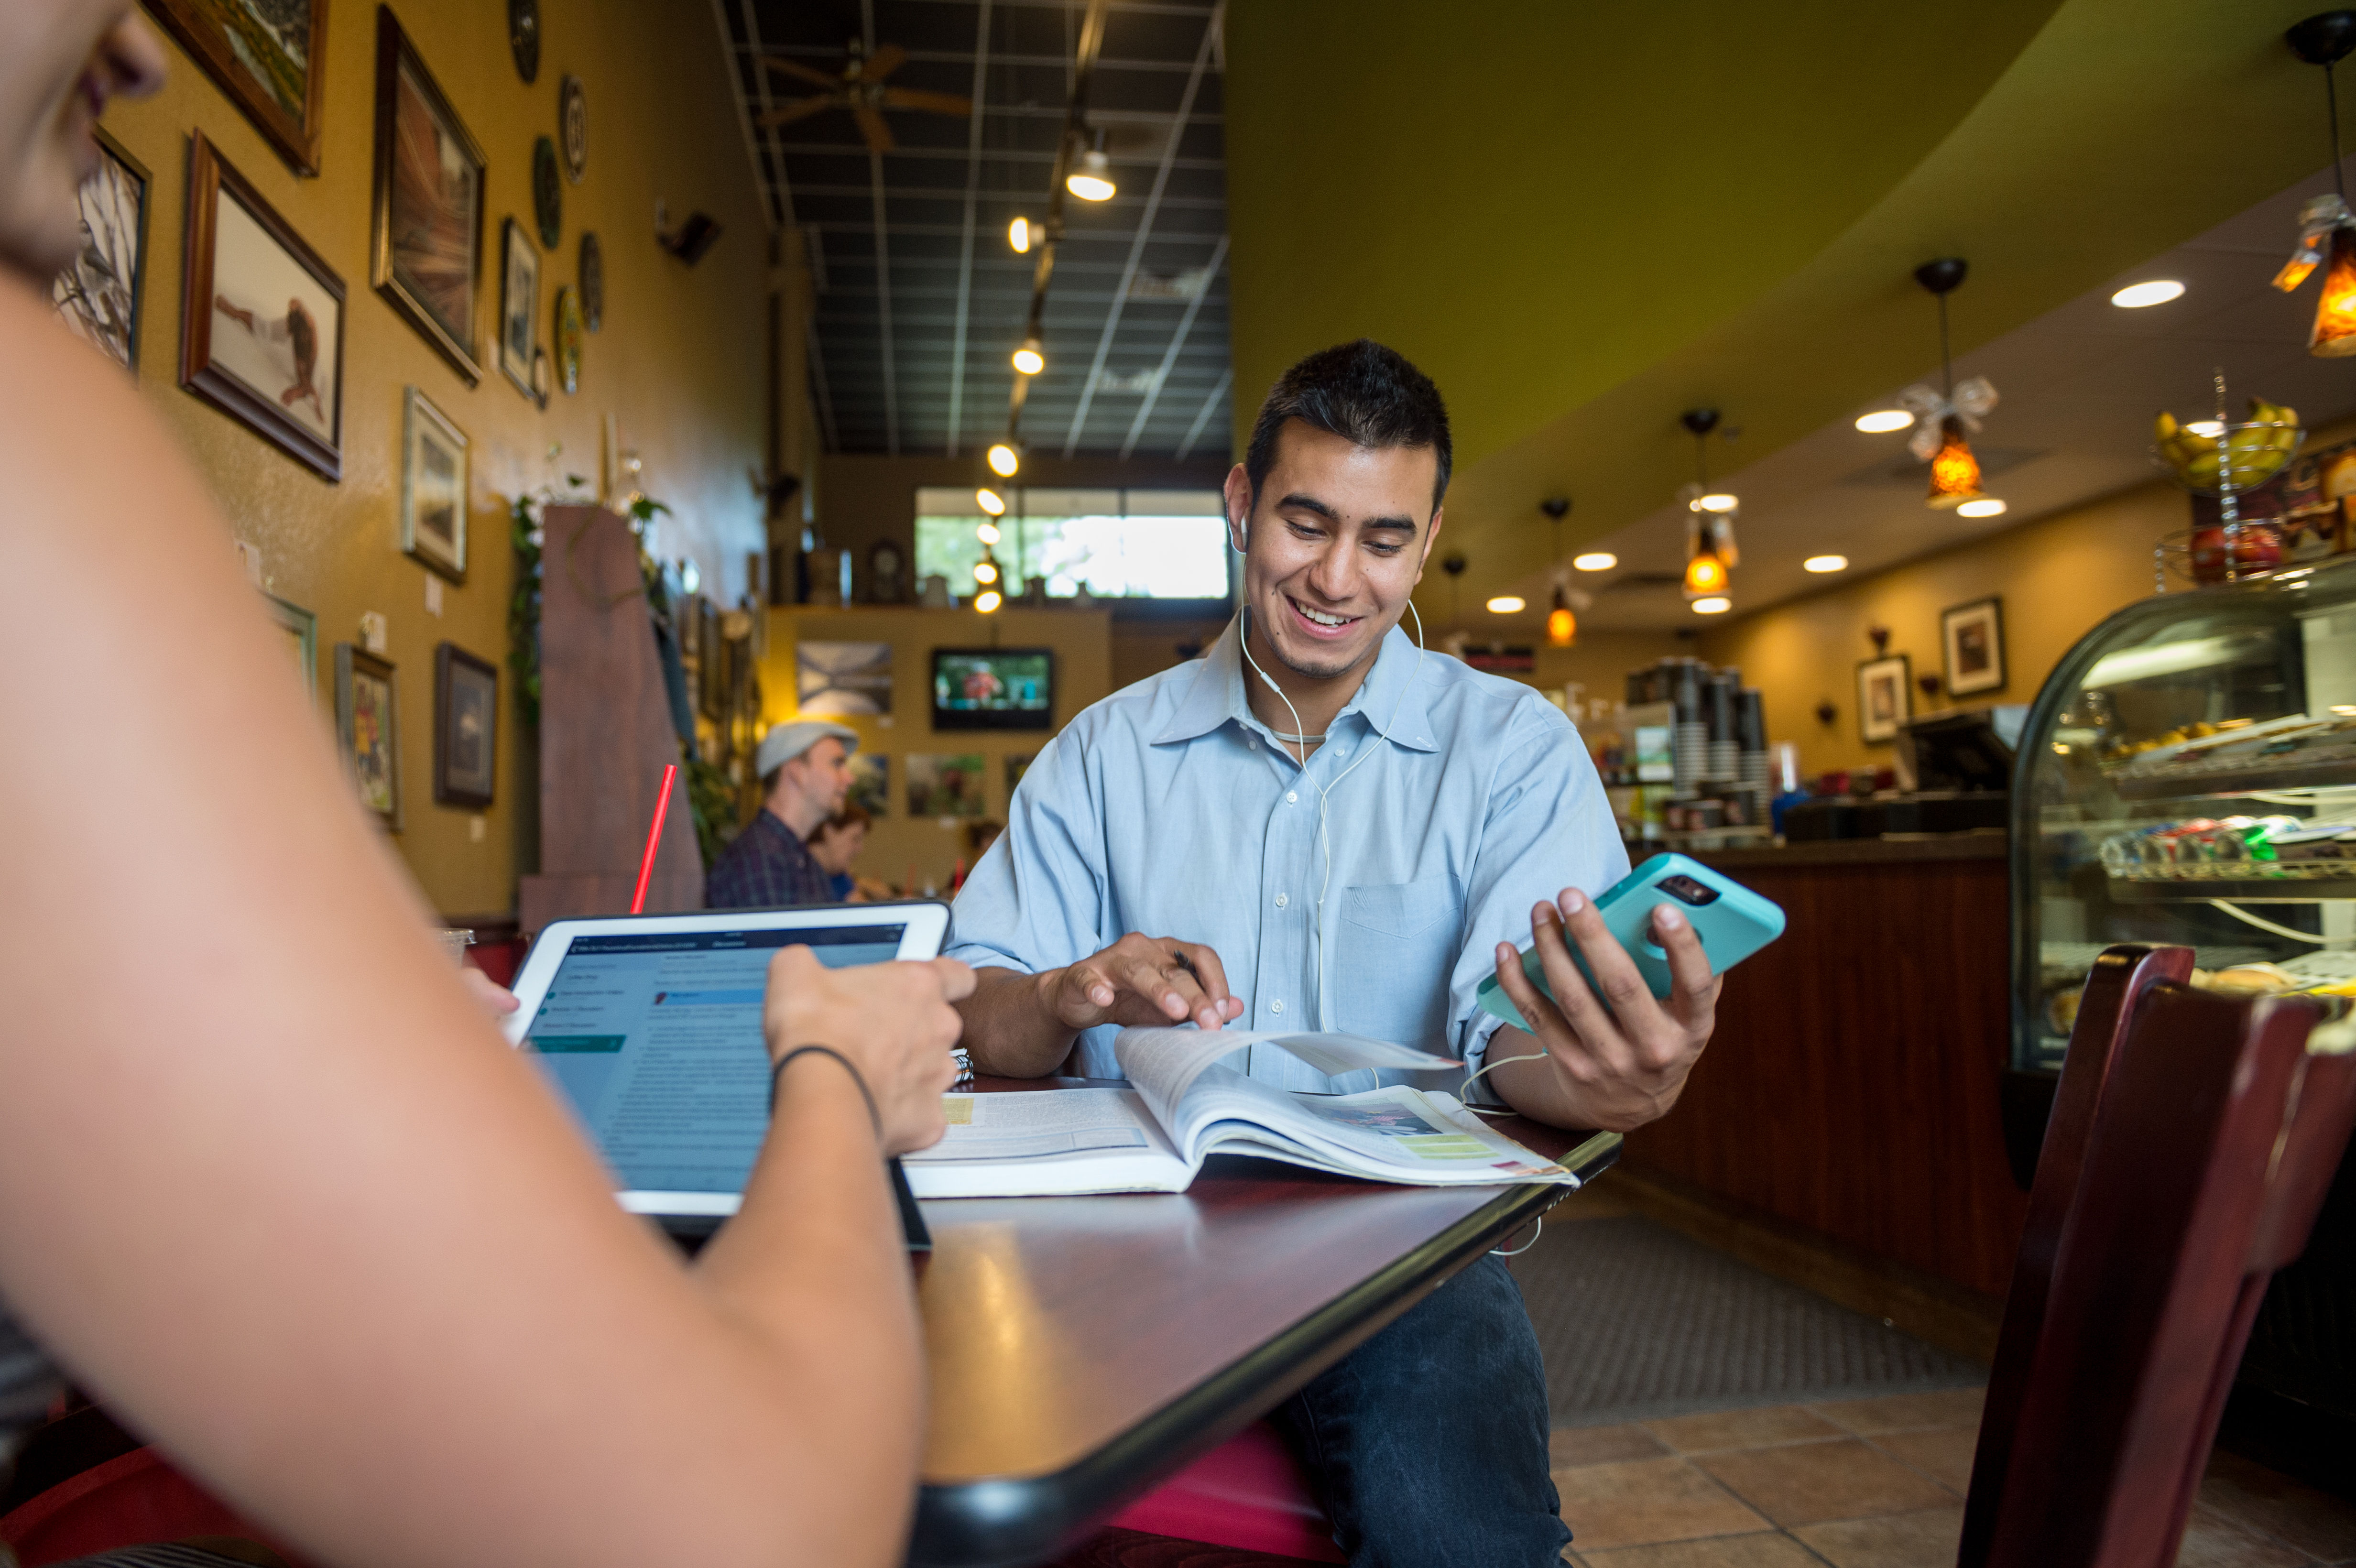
(1732, 926)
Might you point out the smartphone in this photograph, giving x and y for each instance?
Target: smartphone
(1732, 922)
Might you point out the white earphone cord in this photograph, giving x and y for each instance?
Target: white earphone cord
(1301, 734)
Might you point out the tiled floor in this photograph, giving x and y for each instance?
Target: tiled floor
(1872, 1483)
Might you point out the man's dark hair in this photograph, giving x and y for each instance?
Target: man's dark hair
(1361, 392)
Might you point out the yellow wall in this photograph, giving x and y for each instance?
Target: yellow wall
(1083, 642)
(681, 361)
(2059, 576)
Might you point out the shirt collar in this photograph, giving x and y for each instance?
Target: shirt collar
(1393, 686)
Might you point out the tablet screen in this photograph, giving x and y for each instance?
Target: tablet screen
(656, 1039)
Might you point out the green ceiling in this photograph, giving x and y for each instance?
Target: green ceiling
(1582, 219)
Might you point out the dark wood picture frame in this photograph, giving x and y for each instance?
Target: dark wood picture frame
(1953, 621)
(211, 180)
(199, 27)
(352, 663)
(1879, 732)
(70, 292)
(518, 317)
(396, 57)
(453, 782)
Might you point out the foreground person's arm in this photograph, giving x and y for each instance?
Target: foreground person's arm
(273, 1188)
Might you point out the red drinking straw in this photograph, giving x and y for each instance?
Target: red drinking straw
(654, 839)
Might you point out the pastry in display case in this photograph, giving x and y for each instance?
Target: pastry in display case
(2188, 777)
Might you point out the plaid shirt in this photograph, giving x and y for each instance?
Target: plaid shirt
(767, 867)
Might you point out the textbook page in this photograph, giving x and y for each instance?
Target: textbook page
(1392, 1134)
(1021, 1145)
(1164, 1062)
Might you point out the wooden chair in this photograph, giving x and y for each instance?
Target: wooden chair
(2188, 1154)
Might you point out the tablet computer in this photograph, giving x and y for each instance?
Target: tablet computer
(650, 1028)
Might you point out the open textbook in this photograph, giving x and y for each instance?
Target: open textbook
(1182, 1106)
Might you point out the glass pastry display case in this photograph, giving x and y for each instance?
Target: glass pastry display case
(2188, 775)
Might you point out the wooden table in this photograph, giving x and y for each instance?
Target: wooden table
(1084, 1348)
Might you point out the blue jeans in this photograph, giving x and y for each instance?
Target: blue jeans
(1429, 1442)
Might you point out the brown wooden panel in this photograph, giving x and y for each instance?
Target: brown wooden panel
(1851, 1085)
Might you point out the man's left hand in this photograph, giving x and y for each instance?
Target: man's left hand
(1613, 1068)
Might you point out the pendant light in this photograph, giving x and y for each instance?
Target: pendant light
(1091, 178)
(1562, 625)
(1710, 551)
(2326, 229)
(1946, 418)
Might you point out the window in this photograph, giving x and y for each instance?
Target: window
(1122, 544)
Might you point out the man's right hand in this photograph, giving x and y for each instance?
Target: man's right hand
(1140, 979)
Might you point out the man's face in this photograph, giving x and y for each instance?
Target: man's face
(821, 776)
(1339, 536)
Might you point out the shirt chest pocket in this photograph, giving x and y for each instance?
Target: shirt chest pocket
(1394, 948)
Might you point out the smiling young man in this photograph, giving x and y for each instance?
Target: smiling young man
(1319, 825)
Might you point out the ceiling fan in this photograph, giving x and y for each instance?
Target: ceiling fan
(859, 87)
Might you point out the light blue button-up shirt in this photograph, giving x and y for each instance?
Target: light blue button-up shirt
(1167, 808)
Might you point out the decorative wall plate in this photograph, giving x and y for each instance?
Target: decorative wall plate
(593, 282)
(524, 37)
(568, 340)
(572, 123)
(547, 193)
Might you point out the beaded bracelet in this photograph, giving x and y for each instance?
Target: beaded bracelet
(786, 1061)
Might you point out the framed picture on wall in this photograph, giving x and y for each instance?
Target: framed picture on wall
(870, 783)
(1973, 637)
(518, 306)
(945, 785)
(425, 237)
(98, 296)
(368, 727)
(266, 55)
(465, 726)
(432, 488)
(262, 317)
(301, 629)
(1885, 696)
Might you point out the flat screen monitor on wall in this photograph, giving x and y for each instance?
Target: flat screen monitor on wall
(993, 688)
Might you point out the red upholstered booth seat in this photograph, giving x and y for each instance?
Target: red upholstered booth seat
(1249, 1493)
(133, 1499)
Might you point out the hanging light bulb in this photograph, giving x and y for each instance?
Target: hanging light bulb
(1004, 460)
(1032, 358)
(1021, 234)
(1954, 472)
(987, 533)
(988, 601)
(990, 501)
(985, 570)
(1562, 626)
(1704, 574)
(1947, 415)
(1091, 178)
(1710, 553)
(2326, 228)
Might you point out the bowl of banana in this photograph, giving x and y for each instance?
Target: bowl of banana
(2211, 456)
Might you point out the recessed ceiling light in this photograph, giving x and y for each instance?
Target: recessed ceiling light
(1881, 419)
(1718, 502)
(1595, 561)
(2158, 290)
(1508, 604)
(1717, 606)
(1985, 506)
(1826, 563)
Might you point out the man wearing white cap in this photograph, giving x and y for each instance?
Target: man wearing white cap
(805, 773)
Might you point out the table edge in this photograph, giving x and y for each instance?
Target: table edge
(1007, 1521)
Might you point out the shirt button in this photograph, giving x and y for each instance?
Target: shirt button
(1276, 1006)
(1255, 742)
(1280, 901)
(1290, 795)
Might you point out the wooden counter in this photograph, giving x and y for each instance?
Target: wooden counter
(1851, 1085)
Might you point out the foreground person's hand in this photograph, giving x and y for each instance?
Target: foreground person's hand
(1142, 980)
(892, 1021)
(489, 995)
(1625, 1065)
